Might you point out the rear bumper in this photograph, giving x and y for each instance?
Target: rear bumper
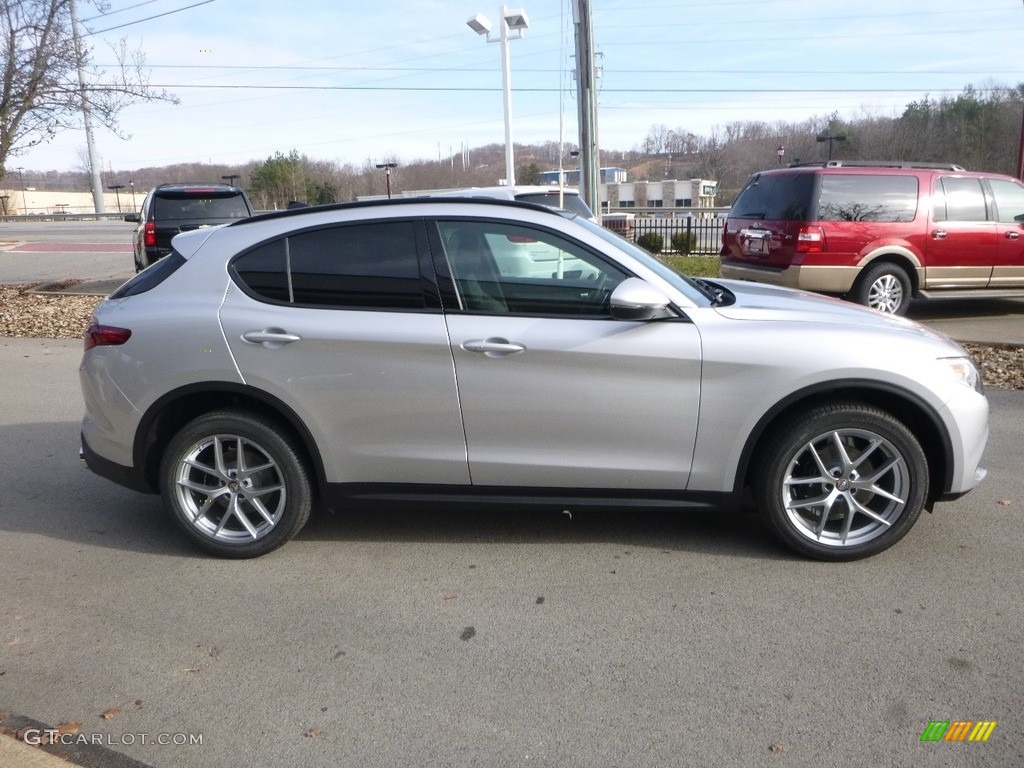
(118, 473)
(823, 279)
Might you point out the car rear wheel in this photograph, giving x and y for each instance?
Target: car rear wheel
(237, 485)
(884, 287)
(842, 482)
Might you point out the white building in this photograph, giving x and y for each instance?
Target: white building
(671, 193)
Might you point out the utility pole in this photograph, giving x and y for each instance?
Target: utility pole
(94, 166)
(586, 97)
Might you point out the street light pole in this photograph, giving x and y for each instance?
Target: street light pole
(230, 178)
(24, 201)
(117, 193)
(506, 85)
(387, 174)
(511, 20)
(830, 139)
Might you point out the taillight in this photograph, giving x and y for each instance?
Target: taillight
(149, 235)
(97, 335)
(810, 240)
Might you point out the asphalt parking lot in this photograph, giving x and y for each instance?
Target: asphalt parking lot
(632, 639)
(487, 639)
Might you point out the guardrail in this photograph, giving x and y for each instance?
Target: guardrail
(34, 217)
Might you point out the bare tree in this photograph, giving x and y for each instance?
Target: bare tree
(40, 93)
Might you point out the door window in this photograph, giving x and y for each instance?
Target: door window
(1009, 200)
(367, 266)
(959, 199)
(514, 269)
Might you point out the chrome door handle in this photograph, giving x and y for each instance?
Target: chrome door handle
(1012, 235)
(272, 338)
(939, 234)
(493, 347)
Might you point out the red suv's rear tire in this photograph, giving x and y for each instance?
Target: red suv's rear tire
(884, 287)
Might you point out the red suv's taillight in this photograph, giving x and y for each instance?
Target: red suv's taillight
(149, 235)
(810, 240)
(97, 335)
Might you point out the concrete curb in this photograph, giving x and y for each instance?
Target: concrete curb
(16, 753)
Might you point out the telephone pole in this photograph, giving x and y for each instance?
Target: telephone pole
(94, 166)
(586, 97)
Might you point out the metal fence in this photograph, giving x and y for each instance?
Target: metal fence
(693, 231)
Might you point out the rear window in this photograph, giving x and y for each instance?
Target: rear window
(867, 198)
(775, 197)
(150, 278)
(199, 205)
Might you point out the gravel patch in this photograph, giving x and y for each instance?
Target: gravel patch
(65, 316)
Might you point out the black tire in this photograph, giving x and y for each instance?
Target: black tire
(884, 287)
(229, 507)
(809, 510)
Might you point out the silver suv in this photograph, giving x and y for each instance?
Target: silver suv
(375, 353)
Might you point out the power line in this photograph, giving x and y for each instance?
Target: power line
(457, 89)
(148, 18)
(549, 71)
(119, 10)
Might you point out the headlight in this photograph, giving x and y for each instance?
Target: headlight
(963, 370)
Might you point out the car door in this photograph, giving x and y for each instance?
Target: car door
(335, 322)
(554, 392)
(1009, 203)
(961, 246)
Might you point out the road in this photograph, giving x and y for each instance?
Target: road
(72, 254)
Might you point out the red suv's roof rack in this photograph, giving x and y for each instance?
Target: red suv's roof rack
(879, 164)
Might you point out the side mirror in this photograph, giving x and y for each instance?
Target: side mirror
(636, 299)
(132, 217)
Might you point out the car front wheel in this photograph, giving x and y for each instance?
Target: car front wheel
(237, 485)
(842, 482)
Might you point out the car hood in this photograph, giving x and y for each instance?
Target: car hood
(760, 302)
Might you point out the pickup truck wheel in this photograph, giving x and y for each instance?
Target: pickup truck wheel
(883, 287)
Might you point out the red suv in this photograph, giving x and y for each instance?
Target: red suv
(878, 233)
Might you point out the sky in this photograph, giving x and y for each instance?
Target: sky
(381, 80)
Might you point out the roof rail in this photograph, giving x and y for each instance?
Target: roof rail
(909, 164)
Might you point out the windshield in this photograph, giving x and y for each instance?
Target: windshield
(684, 285)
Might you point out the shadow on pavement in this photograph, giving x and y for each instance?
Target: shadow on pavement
(56, 495)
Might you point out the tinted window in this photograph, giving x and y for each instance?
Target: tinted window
(367, 265)
(778, 197)
(1009, 200)
(959, 199)
(264, 271)
(205, 206)
(515, 269)
(150, 278)
(867, 198)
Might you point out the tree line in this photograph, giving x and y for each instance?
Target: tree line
(978, 129)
